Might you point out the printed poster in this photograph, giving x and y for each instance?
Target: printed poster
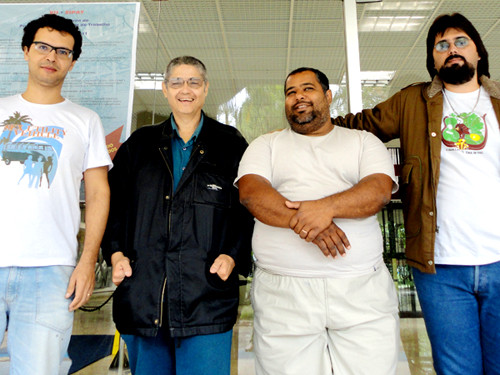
(103, 76)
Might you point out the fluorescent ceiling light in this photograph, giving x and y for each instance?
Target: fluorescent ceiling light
(403, 5)
(374, 78)
(391, 23)
(147, 85)
(149, 77)
(148, 81)
(145, 28)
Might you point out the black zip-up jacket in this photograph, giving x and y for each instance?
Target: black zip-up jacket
(172, 238)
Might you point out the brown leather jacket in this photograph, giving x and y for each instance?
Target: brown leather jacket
(414, 115)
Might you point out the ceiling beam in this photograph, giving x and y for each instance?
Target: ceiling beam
(226, 47)
(491, 29)
(422, 34)
(156, 28)
(290, 32)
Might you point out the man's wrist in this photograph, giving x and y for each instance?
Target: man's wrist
(329, 204)
(88, 257)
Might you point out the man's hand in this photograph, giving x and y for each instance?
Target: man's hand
(332, 240)
(81, 284)
(223, 266)
(82, 281)
(121, 268)
(312, 218)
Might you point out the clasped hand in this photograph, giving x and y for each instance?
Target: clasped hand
(313, 222)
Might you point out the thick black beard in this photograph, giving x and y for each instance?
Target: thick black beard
(457, 74)
(310, 124)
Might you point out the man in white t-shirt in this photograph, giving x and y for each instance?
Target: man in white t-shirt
(324, 301)
(450, 140)
(47, 145)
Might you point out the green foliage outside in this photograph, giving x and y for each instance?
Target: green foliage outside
(263, 110)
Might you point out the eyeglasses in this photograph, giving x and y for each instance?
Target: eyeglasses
(460, 42)
(45, 49)
(178, 82)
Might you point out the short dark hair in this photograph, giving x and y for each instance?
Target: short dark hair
(320, 76)
(55, 22)
(456, 21)
(186, 60)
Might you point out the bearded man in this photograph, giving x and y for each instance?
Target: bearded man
(323, 299)
(450, 141)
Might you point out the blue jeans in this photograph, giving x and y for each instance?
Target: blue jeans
(35, 313)
(195, 355)
(461, 308)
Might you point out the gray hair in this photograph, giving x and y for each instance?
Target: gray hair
(186, 60)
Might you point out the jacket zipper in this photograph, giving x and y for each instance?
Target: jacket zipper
(169, 228)
(162, 299)
(170, 220)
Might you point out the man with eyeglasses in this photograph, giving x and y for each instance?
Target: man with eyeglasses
(450, 140)
(41, 283)
(177, 236)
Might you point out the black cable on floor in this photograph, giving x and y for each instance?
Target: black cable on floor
(95, 308)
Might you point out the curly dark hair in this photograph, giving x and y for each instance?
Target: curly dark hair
(55, 22)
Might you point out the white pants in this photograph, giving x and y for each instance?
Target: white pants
(319, 326)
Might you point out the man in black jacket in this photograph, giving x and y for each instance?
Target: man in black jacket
(177, 236)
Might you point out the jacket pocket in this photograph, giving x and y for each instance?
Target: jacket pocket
(136, 301)
(411, 194)
(214, 281)
(213, 189)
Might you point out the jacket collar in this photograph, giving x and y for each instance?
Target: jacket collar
(167, 132)
(167, 127)
(492, 87)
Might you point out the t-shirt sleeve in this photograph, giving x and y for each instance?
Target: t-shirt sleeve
(256, 159)
(375, 158)
(97, 152)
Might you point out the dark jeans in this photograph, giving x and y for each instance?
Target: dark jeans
(195, 355)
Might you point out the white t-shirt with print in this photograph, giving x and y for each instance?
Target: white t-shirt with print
(44, 151)
(468, 201)
(304, 167)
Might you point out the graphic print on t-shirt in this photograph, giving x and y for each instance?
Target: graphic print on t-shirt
(465, 131)
(36, 148)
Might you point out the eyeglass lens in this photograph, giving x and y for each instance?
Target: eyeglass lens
(45, 49)
(178, 82)
(443, 45)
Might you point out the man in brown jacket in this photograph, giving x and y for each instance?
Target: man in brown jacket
(450, 141)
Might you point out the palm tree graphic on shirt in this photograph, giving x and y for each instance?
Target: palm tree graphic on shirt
(14, 123)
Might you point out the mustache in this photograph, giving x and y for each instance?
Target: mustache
(454, 57)
(301, 102)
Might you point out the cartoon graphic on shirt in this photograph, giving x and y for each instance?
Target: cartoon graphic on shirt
(36, 148)
(465, 131)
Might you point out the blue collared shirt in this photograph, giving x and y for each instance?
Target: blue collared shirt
(181, 151)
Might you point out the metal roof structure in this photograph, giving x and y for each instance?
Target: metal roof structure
(254, 42)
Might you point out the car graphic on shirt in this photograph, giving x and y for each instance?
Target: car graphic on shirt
(36, 147)
(20, 151)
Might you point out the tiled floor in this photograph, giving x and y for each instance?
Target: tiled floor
(415, 355)
(416, 346)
